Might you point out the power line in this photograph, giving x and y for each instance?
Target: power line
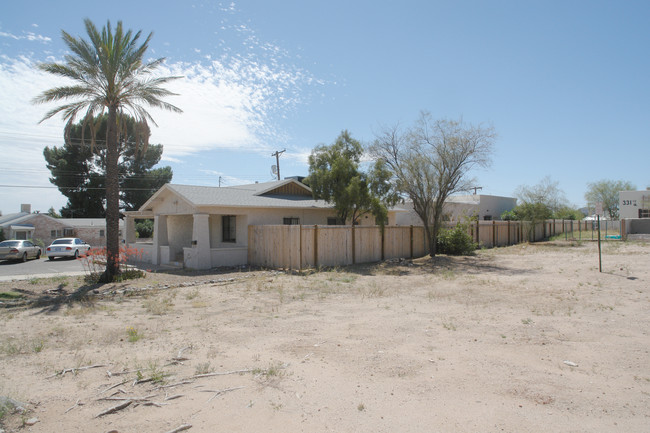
(71, 188)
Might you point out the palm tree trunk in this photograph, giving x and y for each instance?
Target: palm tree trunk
(112, 199)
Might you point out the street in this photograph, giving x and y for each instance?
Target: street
(41, 268)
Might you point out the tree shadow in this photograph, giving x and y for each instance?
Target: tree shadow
(470, 265)
(53, 300)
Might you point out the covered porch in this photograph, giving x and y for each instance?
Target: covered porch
(194, 241)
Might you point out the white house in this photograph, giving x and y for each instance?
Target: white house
(458, 207)
(202, 227)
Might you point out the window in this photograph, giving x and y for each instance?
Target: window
(101, 233)
(228, 228)
(335, 221)
(68, 232)
(644, 213)
(291, 221)
(487, 218)
(53, 234)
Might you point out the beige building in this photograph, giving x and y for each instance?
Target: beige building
(44, 228)
(458, 207)
(203, 227)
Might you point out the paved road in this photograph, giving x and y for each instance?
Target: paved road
(42, 268)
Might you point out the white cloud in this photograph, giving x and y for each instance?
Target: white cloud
(30, 36)
(228, 103)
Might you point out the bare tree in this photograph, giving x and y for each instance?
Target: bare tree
(431, 161)
(546, 192)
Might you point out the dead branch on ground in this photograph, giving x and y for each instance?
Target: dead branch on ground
(221, 391)
(74, 370)
(114, 409)
(180, 428)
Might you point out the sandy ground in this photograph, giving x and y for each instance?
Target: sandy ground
(522, 339)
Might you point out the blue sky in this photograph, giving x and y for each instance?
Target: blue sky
(564, 84)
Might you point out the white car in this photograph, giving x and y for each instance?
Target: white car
(67, 247)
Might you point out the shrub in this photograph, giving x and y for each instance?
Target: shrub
(94, 263)
(456, 241)
(144, 228)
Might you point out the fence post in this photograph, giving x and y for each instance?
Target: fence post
(300, 250)
(354, 255)
(508, 233)
(494, 234)
(411, 236)
(478, 239)
(383, 231)
(316, 245)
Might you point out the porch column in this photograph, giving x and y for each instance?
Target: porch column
(159, 237)
(129, 229)
(201, 240)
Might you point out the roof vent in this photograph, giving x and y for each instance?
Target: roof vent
(27, 208)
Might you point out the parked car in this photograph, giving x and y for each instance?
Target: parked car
(67, 247)
(19, 250)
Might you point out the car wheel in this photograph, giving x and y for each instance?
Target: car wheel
(24, 258)
(76, 254)
(50, 258)
(38, 255)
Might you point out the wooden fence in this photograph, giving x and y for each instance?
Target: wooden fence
(298, 247)
(490, 234)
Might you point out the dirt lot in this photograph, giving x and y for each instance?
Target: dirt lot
(522, 339)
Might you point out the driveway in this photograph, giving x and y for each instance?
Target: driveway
(42, 268)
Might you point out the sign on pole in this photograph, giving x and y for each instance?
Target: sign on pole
(599, 208)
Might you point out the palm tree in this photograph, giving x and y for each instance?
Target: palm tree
(110, 78)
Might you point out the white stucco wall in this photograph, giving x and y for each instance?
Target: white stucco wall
(630, 202)
(179, 234)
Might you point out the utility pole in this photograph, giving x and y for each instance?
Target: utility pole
(475, 188)
(277, 159)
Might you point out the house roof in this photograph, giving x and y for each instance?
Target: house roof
(287, 193)
(84, 222)
(12, 218)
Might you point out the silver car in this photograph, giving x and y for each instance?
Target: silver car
(19, 250)
(67, 247)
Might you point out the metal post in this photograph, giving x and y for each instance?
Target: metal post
(600, 265)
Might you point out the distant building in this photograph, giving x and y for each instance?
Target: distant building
(634, 204)
(42, 227)
(458, 207)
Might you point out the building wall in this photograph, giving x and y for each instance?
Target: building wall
(458, 208)
(494, 206)
(634, 204)
(44, 225)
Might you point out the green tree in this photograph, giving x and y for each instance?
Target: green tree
(110, 76)
(336, 177)
(431, 161)
(546, 192)
(541, 202)
(53, 213)
(79, 171)
(568, 213)
(606, 192)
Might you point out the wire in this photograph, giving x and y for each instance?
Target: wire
(71, 188)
